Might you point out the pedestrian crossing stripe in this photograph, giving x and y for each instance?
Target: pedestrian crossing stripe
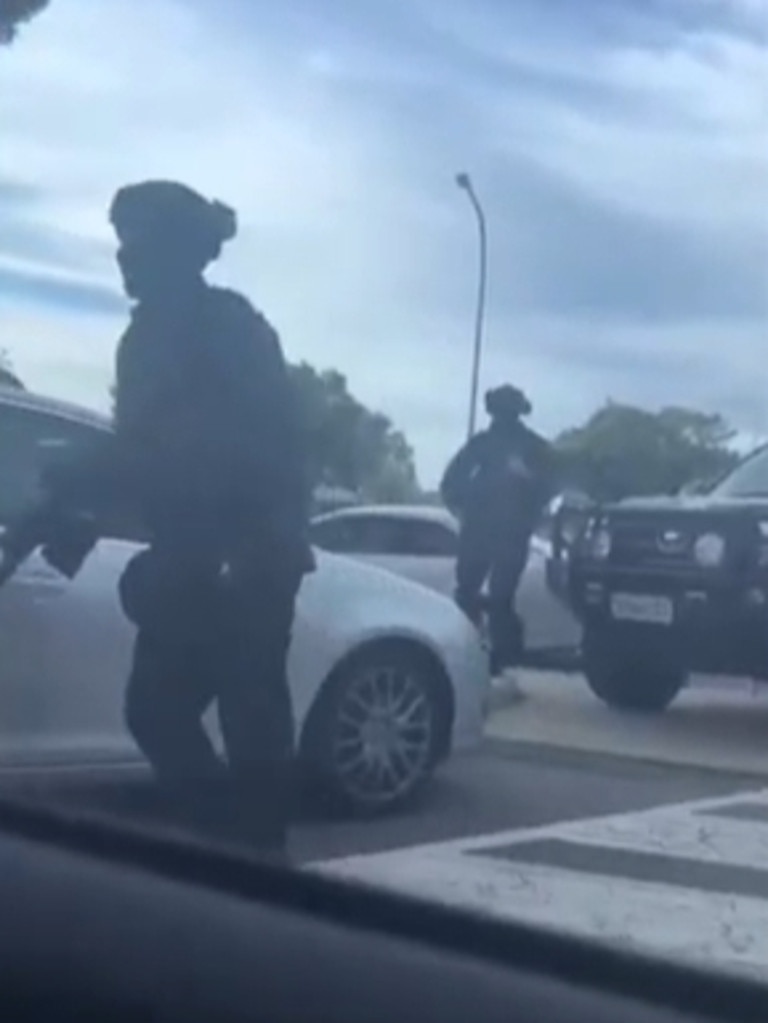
(688, 881)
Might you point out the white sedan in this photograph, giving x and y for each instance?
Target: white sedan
(420, 543)
(387, 678)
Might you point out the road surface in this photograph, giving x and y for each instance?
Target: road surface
(493, 790)
(649, 833)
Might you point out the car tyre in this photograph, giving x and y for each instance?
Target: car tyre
(375, 735)
(627, 672)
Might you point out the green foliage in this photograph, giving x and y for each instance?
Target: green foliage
(7, 376)
(623, 450)
(350, 446)
(13, 13)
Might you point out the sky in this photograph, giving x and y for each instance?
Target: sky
(619, 148)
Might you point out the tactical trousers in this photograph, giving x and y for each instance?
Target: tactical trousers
(483, 559)
(240, 664)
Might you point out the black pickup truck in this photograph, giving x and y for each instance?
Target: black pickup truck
(672, 585)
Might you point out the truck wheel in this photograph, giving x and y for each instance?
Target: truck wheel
(627, 672)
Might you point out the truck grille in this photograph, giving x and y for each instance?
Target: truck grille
(652, 545)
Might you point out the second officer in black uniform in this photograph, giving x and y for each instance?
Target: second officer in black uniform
(498, 484)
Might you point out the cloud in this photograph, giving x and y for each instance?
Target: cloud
(618, 147)
(586, 256)
(34, 287)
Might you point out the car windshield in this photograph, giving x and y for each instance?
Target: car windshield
(359, 364)
(750, 479)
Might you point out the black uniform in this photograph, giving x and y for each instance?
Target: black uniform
(207, 434)
(497, 484)
(206, 456)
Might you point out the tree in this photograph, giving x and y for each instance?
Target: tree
(623, 450)
(13, 13)
(350, 446)
(7, 377)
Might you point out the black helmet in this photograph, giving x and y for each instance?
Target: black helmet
(507, 402)
(171, 208)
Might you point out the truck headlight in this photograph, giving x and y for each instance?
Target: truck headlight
(709, 550)
(762, 555)
(600, 544)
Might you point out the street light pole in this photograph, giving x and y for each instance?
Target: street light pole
(465, 184)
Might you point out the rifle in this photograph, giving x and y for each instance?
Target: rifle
(60, 522)
(66, 537)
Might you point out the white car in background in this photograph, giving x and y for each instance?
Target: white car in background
(387, 679)
(421, 543)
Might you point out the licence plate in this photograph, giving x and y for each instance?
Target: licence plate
(635, 607)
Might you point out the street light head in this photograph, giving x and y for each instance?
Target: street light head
(463, 181)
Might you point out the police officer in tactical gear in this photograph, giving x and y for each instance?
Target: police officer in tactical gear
(208, 437)
(206, 456)
(497, 485)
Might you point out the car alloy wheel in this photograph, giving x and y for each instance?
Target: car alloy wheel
(382, 733)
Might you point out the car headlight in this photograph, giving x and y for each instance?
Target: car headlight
(709, 550)
(600, 543)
